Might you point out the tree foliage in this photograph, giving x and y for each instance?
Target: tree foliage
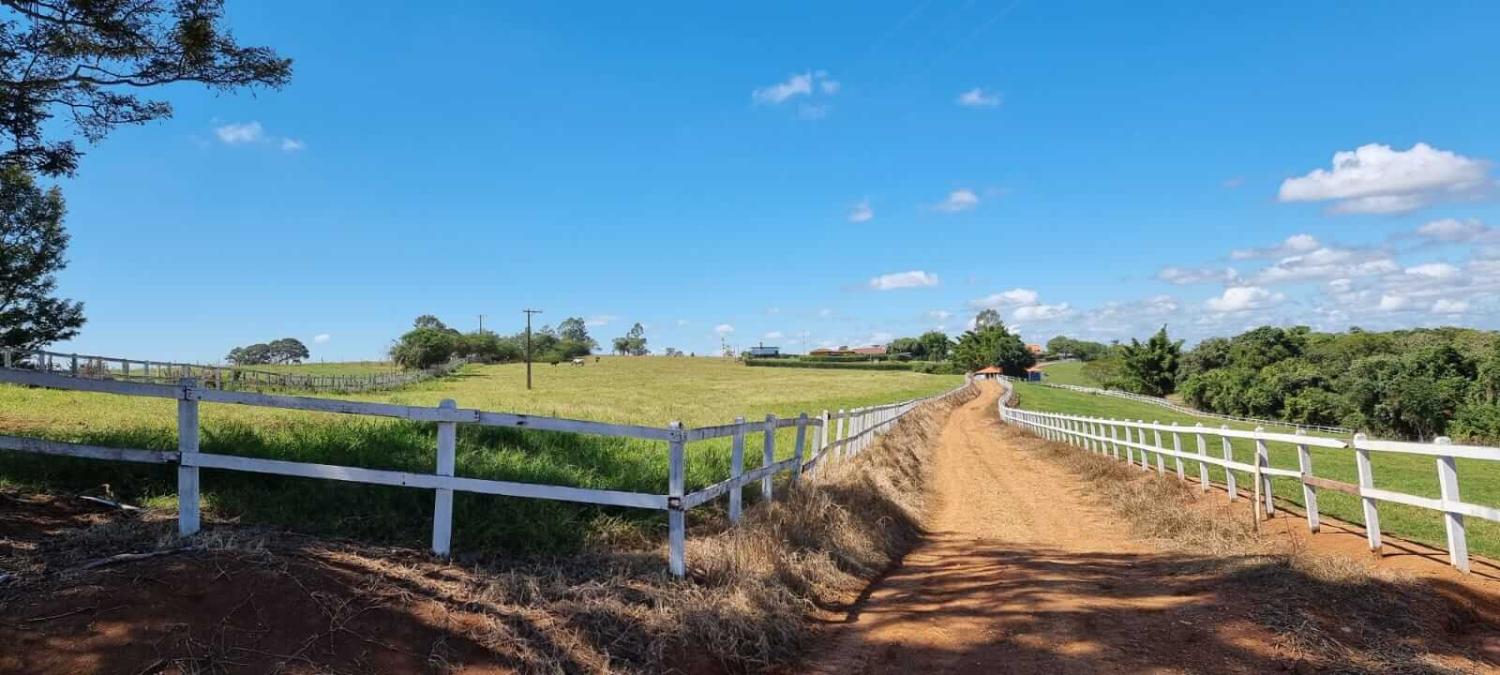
(1150, 368)
(993, 345)
(285, 350)
(87, 59)
(633, 343)
(1083, 350)
(32, 245)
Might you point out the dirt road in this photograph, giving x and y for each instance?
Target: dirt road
(1021, 573)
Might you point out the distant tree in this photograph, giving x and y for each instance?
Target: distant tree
(431, 322)
(487, 347)
(87, 58)
(1083, 350)
(934, 345)
(250, 355)
(422, 348)
(673, 351)
(575, 329)
(633, 343)
(32, 245)
(1151, 368)
(987, 318)
(993, 345)
(906, 345)
(288, 350)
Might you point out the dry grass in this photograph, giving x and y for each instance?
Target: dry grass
(1334, 611)
(745, 607)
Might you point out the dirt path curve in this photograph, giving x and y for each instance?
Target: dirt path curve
(1020, 573)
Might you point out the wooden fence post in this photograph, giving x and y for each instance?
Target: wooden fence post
(1262, 460)
(1458, 541)
(822, 452)
(1161, 458)
(73, 366)
(801, 445)
(1234, 492)
(1309, 493)
(676, 514)
(1177, 453)
(737, 469)
(447, 460)
(768, 456)
(189, 514)
(1367, 482)
(8, 357)
(1114, 438)
(1202, 452)
(838, 435)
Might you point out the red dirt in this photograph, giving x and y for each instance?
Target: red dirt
(1021, 572)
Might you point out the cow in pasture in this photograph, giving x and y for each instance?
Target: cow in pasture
(577, 362)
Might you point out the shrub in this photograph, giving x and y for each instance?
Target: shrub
(422, 348)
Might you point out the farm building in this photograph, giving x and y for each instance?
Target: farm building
(1033, 374)
(1036, 350)
(761, 351)
(988, 373)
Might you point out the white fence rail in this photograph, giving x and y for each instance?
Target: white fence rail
(1128, 441)
(1186, 410)
(219, 377)
(854, 430)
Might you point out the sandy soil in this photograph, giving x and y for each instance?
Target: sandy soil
(1023, 573)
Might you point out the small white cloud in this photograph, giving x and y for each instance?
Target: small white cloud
(1295, 244)
(1041, 312)
(292, 145)
(1437, 271)
(978, 98)
(774, 335)
(1183, 276)
(796, 85)
(723, 329)
(1447, 306)
(912, 279)
(1391, 302)
(958, 200)
(1375, 178)
(1452, 230)
(321, 338)
(239, 133)
(1243, 298)
(600, 320)
(1010, 298)
(861, 212)
(829, 87)
(940, 314)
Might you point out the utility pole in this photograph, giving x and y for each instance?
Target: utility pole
(481, 323)
(529, 312)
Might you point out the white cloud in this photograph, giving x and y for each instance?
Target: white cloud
(1329, 262)
(723, 329)
(1041, 312)
(1375, 178)
(292, 145)
(1297, 243)
(940, 314)
(861, 212)
(1183, 276)
(912, 279)
(322, 338)
(600, 320)
(239, 133)
(1243, 298)
(958, 200)
(1391, 302)
(1453, 230)
(799, 84)
(1446, 306)
(1011, 298)
(978, 98)
(774, 335)
(1436, 271)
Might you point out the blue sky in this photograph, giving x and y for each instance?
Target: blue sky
(835, 175)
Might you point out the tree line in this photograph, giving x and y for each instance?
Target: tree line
(1416, 383)
(988, 343)
(430, 342)
(285, 350)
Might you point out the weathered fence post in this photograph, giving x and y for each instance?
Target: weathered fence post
(1234, 492)
(1367, 482)
(189, 515)
(801, 444)
(768, 456)
(1202, 452)
(447, 460)
(1263, 460)
(8, 357)
(1309, 493)
(822, 453)
(676, 514)
(737, 469)
(1161, 457)
(73, 366)
(839, 438)
(1177, 452)
(1458, 541)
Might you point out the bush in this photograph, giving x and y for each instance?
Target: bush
(832, 365)
(423, 348)
(487, 347)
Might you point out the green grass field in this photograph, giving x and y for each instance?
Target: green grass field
(333, 368)
(1067, 372)
(650, 391)
(1479, 481)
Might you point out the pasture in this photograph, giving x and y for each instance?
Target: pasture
(1068, 372)
(650, 391)
(1479, 481)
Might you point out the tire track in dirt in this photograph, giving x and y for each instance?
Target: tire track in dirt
(1019, 573)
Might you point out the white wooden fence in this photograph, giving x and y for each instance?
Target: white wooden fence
(1110, 437)
(853, 431)
(218, 377)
